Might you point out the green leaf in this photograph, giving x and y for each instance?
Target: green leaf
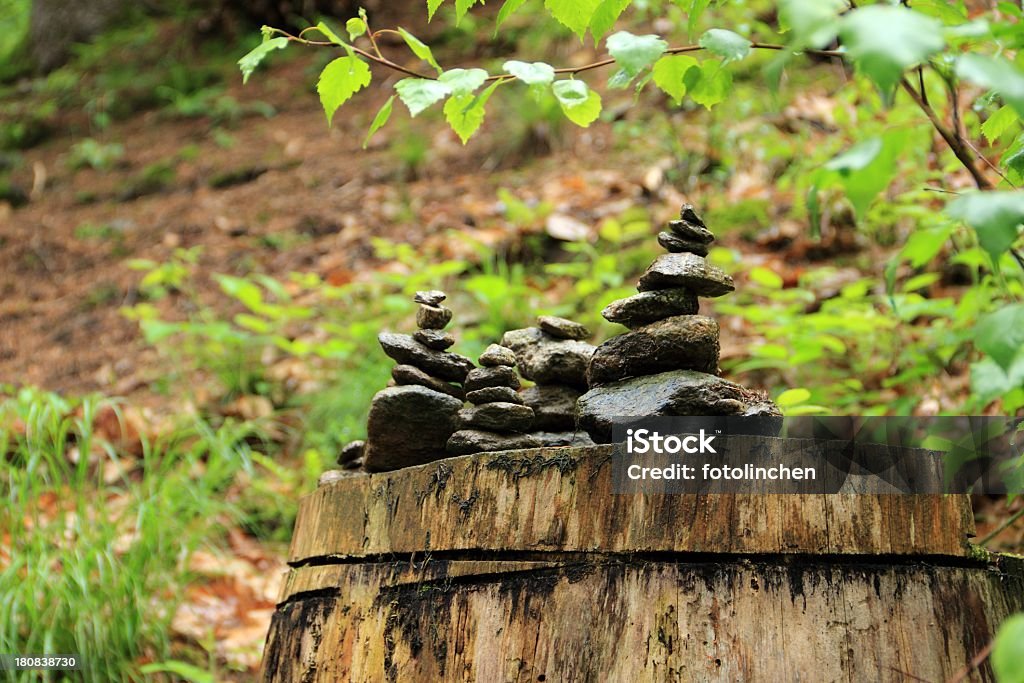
(633, 53)
(1013, 158)
(463, 81)
(999, 122)
(465, 113)
(249, 62)
(1000, 335)
(884, 41)
(340, 80)
(355, 27)
(857, 157)
(242, 290)
(420, 49)
(924, 245)
(605, 16)
(184, 670)
(420, 93)
(157, 330)
(792, 397)
(866, 169)
(669, 73)
(710, 84)
(573, 14)
(995, 74)
(432, 7)
(330, 35)
(461, 7)
(537, 73)
(731, 47)
(383, 114)
(811, 23)
(506, 11)
(765, 277)
(693, 13)
(995, 216)
(580, 104)
(989, 381)
(949, 13)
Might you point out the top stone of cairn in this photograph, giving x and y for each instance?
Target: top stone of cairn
(434, 297)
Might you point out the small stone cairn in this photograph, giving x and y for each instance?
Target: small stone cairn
(497, 419)
(668, 363)
(410, 424)
(555, 356)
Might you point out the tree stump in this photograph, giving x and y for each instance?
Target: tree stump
(526, 566)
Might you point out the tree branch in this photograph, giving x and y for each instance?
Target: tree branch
(384, 61)
(955, 142)
(954, 138)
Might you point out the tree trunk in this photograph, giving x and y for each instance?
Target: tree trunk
(526, 566)
(56, 25)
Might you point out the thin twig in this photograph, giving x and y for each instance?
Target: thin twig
(988, 163)
(1002, 527)
(975, 663)
(955, 144)
(907, 674)
(384, 61)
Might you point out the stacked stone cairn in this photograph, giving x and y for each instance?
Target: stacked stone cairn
(555, 356)
(668, 363)
(497, 420)
(410, 424)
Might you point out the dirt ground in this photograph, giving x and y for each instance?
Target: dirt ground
(288, 195)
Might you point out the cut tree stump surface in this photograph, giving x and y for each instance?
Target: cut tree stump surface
(525, 566)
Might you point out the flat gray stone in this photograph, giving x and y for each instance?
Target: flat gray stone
(547, 360)
(558, 439)
(498, 376)
(648, 307)
(562, 328)
(451, 367)
(433, 317)
(410, 374)
(677, 245)
(497, 417)
(494, 395)
(690, 226)
(684, 342)
(434, 339)
(467, 441)
(433, 297)
(689, 271)
(351, 452)
(495, 355)
(408, 425)
(682, 392)
(554, 406)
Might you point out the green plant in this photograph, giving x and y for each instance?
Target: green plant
(96, 155)
(1008, 651)
(97, 542)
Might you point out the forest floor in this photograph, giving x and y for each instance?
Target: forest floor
(284, 193)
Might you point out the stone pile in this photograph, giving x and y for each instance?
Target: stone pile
(497, 420)
(555, 357)
(668, 363)
(410, 424)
